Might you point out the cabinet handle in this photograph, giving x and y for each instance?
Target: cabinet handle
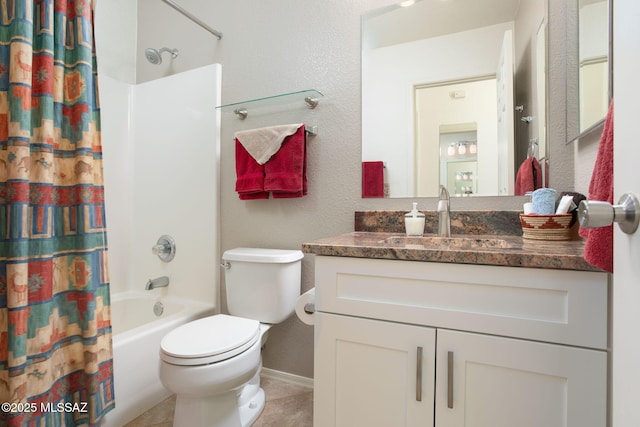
(450, 380)
(419, 375)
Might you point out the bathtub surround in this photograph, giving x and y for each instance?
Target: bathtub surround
(175, 181)
(161, 138)
(54, 280)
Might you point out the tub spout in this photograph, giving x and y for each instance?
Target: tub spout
(160, 282)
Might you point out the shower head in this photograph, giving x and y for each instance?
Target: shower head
(155, 56)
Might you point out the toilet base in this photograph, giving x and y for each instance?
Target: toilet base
(238, 408)
(250, 411)
(251, 400)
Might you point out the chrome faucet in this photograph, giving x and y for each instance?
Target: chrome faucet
(444, 217)
(160, 282)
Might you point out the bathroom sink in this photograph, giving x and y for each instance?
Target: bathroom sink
(461, 243)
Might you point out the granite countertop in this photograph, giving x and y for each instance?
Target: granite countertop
(486, 249)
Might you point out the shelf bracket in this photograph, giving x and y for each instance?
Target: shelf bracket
(242, 113)
(311, 102)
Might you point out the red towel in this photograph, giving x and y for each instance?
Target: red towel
(249, 175)
(283, 175)
(372, 179)
(598, 249)
(286, 170)
(529, 177)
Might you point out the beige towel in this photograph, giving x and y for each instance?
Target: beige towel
(263, 143)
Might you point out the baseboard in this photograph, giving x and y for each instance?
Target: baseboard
(287, 377)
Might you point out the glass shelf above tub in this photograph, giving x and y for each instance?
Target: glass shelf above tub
(308, 97)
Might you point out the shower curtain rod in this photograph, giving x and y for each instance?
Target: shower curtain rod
(186, 13)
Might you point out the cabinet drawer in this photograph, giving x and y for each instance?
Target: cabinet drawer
(560, 306)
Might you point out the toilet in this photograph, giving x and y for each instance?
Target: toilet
(213, 364)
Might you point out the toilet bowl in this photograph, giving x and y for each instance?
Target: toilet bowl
(202, 371)
(213, 364)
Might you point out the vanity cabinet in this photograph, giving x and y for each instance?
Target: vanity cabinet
(402, 343)
(373, 373)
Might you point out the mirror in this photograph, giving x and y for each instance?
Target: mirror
(588, 94)
(453, 93)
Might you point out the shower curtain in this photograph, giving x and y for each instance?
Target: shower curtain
(55, 327)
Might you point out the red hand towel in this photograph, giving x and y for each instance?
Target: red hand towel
(372, 179)
(285, 172)
(529, 176)
(598, 249)
(249, 175)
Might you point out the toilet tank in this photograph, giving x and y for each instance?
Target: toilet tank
(262, 284)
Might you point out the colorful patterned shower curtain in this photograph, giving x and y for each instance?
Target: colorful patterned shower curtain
(55, 328)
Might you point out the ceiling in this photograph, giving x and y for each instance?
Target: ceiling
(431, 18)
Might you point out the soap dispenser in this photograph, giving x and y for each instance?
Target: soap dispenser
(414, 222)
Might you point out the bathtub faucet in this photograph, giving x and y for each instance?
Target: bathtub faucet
(160, 282)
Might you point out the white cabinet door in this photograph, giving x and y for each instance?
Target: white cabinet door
(368, 373)
(487, 381)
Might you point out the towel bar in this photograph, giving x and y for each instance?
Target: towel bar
(309, 130)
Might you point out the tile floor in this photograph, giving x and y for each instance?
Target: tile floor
(287, 405)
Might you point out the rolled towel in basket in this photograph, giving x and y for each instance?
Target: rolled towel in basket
(544, 201)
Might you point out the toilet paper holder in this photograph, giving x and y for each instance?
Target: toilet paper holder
(310, 308)
(305, 307)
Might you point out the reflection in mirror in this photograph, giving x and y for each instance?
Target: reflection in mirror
(441, 82)
(458, 120)
(593, 46)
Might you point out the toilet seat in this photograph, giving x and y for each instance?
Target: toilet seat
(209, 340)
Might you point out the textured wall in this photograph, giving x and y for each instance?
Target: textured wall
(276, 47)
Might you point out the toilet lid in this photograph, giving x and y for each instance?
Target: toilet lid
(208, 340)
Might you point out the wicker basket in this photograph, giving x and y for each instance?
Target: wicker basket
(547, 227)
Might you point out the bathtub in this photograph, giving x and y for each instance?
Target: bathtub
(137, 331)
